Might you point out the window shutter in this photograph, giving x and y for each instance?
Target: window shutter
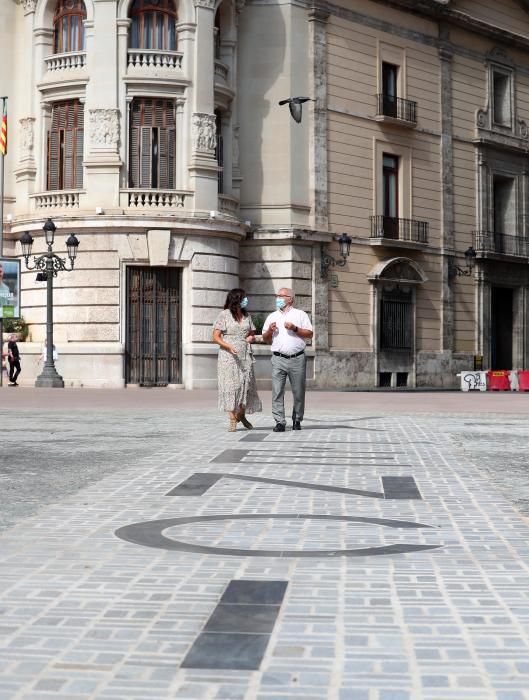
(134, 157)
(163, 163)
(171, 158)
(145, 161)
(79, 158)
(68, 159)
(53, 160)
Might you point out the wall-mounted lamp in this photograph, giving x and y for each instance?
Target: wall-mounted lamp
(470, 260)
(344, 241)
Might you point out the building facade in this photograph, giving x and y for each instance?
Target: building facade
(152, 130)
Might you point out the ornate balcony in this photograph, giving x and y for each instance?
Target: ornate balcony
(152, 59)
(60, 199)
(386, 229)
(492, 242)
(395, 110)
(221, 73)
(228, 205)
(65, 61)
(154, 199)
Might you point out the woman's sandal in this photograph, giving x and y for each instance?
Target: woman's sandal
(232, 427)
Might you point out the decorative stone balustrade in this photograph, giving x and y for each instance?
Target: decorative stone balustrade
(62, 199)
(221, 72)
(154, 58)
(65, 61)
(228, 205)
(155, 199)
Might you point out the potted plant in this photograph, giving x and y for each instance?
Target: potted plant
(17, 326)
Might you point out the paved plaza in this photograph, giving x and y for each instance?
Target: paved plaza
(382, 553)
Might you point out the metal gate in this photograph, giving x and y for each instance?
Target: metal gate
(396, 321)
(153, 344)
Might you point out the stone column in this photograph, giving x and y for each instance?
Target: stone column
(102, 163)
(203, 166)
(447, 186)
(123, 27)
(26, 169)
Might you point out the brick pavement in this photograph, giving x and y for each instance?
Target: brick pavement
(87, 614)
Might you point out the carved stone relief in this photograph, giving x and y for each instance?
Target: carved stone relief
(104, 128)
(209, 4)
(235, 147)
(26, 137)
(204, 133)
(29, 5)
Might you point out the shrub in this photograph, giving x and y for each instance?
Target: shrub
(16, 325)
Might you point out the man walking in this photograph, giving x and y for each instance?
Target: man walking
(287, 329)
(13, 357)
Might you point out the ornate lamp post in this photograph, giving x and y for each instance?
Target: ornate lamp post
(50, 264)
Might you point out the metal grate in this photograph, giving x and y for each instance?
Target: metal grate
(399, 229)
(396, 107)
(396, 314)
(153, 345)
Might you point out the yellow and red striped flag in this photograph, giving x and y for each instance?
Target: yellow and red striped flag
(3, 131)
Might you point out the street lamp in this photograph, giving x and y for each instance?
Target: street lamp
(50, 264)
(344, 241)
(470, 260)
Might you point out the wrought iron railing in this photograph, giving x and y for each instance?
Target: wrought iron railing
(399, 229)
(494, 242)
(396, 107)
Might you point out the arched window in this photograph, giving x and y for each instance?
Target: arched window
(68, 27)
(153, 25)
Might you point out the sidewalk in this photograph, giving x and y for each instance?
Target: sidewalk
(377, 561)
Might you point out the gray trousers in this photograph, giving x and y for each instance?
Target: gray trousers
(295, 370)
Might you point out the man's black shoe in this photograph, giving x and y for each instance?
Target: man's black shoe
(296, 425)
(280, 428)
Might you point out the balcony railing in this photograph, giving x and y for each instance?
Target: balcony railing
(221, 72)
(228, 205)
(65, 61)
(397, 108)
(62, 199)
(399, 229)
(154, 58)
(502, 243)
(154, 199)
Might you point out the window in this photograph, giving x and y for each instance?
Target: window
(152, 144)
(390, 177)
(65, 146)
(389, 89)
(153, 25)
(504, 202)
(501, 98)
(219, 152)
(68, 27)
(396, 321)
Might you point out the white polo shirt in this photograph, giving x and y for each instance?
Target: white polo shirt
(283, 340)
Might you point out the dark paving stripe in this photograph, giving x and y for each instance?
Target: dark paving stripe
(401, 487)
(232, 456)
(238, 631)
(224, 650)
(261, 592)
(254, 437)
(196, 485)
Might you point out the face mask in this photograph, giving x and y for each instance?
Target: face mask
(244, 303)
(280, 303)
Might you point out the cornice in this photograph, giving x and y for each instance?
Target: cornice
(444, 10)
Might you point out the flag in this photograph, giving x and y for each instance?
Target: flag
(3, 131)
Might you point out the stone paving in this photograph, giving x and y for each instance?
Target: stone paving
(88, 613)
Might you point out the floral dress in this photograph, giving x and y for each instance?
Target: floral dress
(236, 377)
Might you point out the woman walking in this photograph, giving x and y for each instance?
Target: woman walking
(234, 332)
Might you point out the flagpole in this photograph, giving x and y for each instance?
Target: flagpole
(4, 100)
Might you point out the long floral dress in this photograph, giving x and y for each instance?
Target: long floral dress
(236, 377)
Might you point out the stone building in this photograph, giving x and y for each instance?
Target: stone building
(151, 129)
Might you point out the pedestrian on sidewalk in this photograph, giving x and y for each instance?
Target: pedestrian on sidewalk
(234, 332)
(287, 329)
(13, 357)
(44, 353)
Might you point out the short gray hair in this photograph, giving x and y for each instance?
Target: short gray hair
(288, 292)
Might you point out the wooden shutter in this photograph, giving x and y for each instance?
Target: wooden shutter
(171, 157)
(68, 159)
(145, 164)
(53, 160)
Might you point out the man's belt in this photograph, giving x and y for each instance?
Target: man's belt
(288, 357)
